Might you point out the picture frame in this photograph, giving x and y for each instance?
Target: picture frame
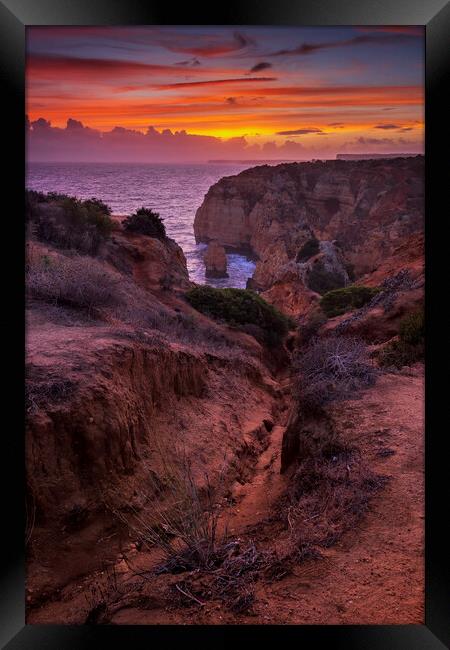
(16, 15)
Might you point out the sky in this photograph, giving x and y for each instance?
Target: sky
(178, 94)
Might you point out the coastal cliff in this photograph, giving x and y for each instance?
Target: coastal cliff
(362, 209)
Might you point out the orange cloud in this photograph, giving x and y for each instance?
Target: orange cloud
(76, 69)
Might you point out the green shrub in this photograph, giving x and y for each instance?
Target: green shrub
(321, 280)
(98, 214)
(350, 268)
(399, 353)
(412, 328)
(340, 301)
(309, 248)
(145, 222)
(241, 308)
(410, 348)
(68, 222)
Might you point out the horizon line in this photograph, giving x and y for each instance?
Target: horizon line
(392, 154)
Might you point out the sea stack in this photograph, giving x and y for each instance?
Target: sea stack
(215, 261)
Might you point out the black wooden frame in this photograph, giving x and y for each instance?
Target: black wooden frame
(15, 15)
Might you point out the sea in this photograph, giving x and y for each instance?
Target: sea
(175, 191)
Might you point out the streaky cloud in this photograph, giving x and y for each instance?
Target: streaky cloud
(364, 39)
(264, 65)
(299, 132)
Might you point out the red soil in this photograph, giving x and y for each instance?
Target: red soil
(373, 575)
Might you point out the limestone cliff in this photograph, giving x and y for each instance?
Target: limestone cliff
(367, 208)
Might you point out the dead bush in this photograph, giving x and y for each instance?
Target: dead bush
(331, 369)
(232, 579)
(78, 281)
(109, 593)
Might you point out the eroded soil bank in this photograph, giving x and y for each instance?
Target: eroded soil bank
(373, 574)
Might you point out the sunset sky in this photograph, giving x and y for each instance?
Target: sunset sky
(254, 92)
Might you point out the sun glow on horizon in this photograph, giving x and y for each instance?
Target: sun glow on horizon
(305, 89)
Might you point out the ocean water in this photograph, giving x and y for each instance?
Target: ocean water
(173, 190)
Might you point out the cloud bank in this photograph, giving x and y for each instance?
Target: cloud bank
(79, 143)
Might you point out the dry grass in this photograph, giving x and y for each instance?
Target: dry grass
(75, 281)
(74, 289)
(331, 485)
(176, 326)
(42, 388)
(183, 519)
(187, 524)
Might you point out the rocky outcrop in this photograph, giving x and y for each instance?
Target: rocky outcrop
(215, 261)
(367, 208)
(153, 263)
(297, 284)
(401, 281)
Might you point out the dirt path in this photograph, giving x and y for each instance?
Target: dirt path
(375, 574)
(255, 499)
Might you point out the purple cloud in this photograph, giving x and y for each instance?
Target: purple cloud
(264, 65)
(299, 132)
(387, 127)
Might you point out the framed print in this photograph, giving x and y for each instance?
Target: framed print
(224, 323)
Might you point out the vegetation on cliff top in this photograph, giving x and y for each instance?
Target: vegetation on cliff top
(241, 308)
(68, 222)
(412, 328)
(77, 282)
(340, 301)
(145, 222)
